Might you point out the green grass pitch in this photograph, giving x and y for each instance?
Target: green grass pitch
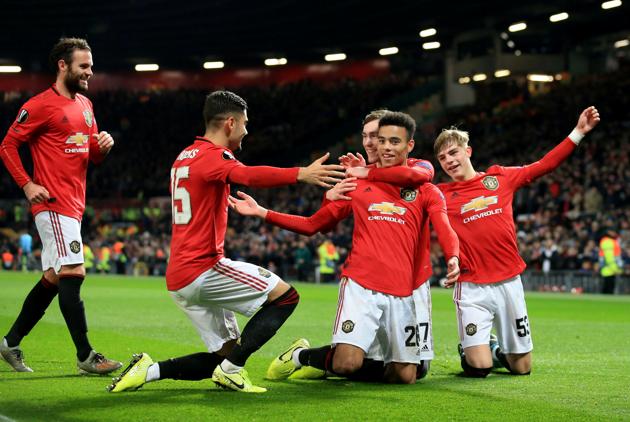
(581, 364)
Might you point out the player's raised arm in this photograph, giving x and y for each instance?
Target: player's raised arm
(587, 121)
(303, 225)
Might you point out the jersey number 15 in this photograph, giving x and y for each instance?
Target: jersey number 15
(178, 193)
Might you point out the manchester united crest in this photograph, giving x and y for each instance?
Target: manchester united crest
(490, 182)
(263, 272)
(75, 246)
(408, 194)
(471, 329)
(87, 115)
(347, 326)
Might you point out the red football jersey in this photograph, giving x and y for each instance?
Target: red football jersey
(199, 188)
(59, 132)
(386, 240)
(480, 212)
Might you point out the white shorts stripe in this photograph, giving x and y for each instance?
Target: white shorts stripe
(342, 292)
(228, 272)
(257, 281)
(55, 233)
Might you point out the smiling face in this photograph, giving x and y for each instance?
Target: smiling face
(393, 145)
(238, 129)
(77, 73)
(369, 136)
(455, 161)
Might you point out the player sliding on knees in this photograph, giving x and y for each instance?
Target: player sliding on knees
(381, 298)
(208, 287)
(489, 292)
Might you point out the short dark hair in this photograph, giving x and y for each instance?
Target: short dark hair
(219, 104)
(64, 49)
(400, 119)
(374, 115)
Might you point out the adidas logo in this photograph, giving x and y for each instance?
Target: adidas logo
(64, 120)
(368, 189)
(454, 195)
(425, 348)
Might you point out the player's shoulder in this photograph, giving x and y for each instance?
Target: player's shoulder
(83, 99)
(495, 170)
(430, 189)
(40, 100)
(419, 162)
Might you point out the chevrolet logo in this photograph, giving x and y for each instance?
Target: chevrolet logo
(480, 203)
(79, 139)
(387, 208)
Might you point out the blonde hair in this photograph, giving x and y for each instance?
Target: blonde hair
(450, 136)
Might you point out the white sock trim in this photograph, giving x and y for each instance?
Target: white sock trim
(229, 368)
(153, 373)
(576, 136)
(296, 357)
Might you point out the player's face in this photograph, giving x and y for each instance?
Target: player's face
(238, 131)
(370, 140)
(79, 71)
(455, 161)
(393, 145)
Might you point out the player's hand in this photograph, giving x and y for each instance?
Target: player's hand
(358, 172)
(105, 142)
(36, 194)
(452, 272)
(246, 205)
(587, 120)
(340, 189)
(350, 160)
(318, 173)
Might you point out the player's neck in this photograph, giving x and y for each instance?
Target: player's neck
(62, 89)
(217, 138)
(468, 175)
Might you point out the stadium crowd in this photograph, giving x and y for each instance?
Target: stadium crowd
(560, 218)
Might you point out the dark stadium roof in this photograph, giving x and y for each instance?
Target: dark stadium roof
(184, 34)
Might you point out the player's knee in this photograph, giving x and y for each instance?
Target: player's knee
(72, 271)
(423, 369)
(474, 372)
(345, 365)
(51, 276)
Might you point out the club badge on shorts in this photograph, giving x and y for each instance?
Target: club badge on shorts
(471, 329)
(347, 326)
(490, 182)
(75, 246)
(264, 272)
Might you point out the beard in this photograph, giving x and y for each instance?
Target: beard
(73, 83)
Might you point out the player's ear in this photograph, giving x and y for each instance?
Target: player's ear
(468, 152)
(228, 125)
(61, 65)
(410, 144)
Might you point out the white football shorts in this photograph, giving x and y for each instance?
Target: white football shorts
(212, 298)
(385, 327)
(479, 307)
(61, 240)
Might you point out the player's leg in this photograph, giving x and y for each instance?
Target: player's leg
(474, 322)
(69, 273)
(37, 301)
(513, 329)
(248, 290)
(218, 330)
(354, 329)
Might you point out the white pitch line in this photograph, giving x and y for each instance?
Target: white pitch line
(6, 418)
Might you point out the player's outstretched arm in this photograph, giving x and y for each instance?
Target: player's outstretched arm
(303, 225)
(587, 121)
(318, 173)
(404, 176)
